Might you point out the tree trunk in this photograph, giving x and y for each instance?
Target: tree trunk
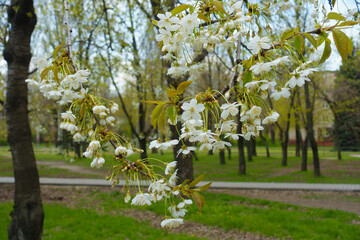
(337, 140)
(297, 136)
(310, 131)
(272, 135)
(304, 154)
(142, 143)
(77, 150)
(184, 162)
(28, 214)
(222, 156)
(249, 150)
(266, 144)
(242, 162)
(284, 149)
(229, 152)
(253, 147)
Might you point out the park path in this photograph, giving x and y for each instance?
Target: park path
(214, 185)
(72, 168)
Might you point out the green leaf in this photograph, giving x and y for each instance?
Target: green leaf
(288, 33)
(44, 73)
(183, 86)
(171, 113)
(321, 38)
(341, 43)
(179, 9)
(219, 7)
(56, 75)
(156, 113)
(198, 199)
(57, 49)
(348, 23)
(82, 109)
(247, 77)
(311, 39)
(197, 180)
(299, 43)
(162, 122)
(203, 187)
(333, 3)
(172, 92)
(154, 22)
(327, 51)
(203, 17)
(335, 16)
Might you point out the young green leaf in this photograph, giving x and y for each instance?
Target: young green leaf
(179, 9)
(183, 86)
(247, 77)
(341, 43)
(172, 92)
(57, 49)
(162, 122)
(335, 16)
(348, 23)
(203, 187)
(299, 43)
(171, 113)
(198, 199)
(156, 113)
(44, 72)
(203, 17)
(327, 51)
(219, 7)
(154, 22)
(311, 39)
(197, 180)
(288, 33)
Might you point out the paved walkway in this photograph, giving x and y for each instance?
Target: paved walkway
(214, 185)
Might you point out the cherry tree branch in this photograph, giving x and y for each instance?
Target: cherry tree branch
(69, 42)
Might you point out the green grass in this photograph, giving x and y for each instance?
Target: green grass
(104, 220)
(259, 216)
(261, 169)
(68, 223)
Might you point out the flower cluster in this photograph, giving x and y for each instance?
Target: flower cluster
(164, 189)
(183, 37)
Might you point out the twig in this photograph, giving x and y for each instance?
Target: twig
(69, 43)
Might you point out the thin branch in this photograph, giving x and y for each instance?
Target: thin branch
(69, 45)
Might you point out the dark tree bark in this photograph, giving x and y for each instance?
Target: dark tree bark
(222, 156)
(28, 214)
(310, 131)
(253, 147)
(242, 162)
(184, 162)
(272, 135)
(298, 136)
(337, 140)
(304, 150)
(249, 150)
(77, 150)
(266, 144)
(284, 134)
(229, 152)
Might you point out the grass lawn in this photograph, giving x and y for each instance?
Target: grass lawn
(261, 169)
(98, 215)
(78, 223)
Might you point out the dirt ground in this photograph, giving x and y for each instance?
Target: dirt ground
(69, 196)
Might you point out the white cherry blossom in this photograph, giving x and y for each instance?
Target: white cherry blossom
(256, 44)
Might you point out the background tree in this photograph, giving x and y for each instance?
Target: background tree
(348, 91)
(28, 215)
